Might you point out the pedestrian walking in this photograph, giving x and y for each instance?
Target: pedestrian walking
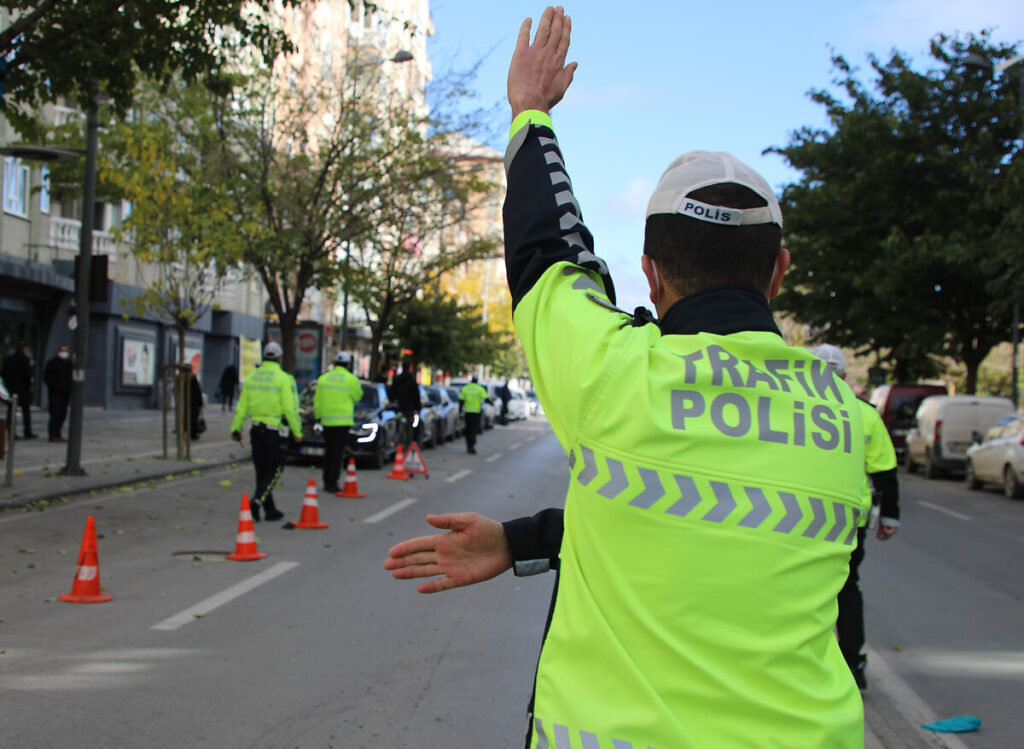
(17, 374)
(270, 400)
(716, 471)
(57, 377)
(337, 392)
(195, 407)
(505, 395)
(406, 391)
(472, 396)
(228, 385)
(884, 493)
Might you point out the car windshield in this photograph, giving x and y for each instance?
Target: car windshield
(370, 399)
(434, 396)
(904, 408)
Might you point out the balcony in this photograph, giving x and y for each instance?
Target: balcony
(65, 234)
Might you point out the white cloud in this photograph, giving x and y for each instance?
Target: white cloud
(632, 202)
(909, 24)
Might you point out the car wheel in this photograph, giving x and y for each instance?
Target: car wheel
(379, 458)
(1011, 484)
(931, 470)
(909, 464)
(970, 479)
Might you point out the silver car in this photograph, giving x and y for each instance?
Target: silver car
(999, 457)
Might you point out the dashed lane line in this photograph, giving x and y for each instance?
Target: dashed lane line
(389, 511)
(460, 475)
(492, 458)
(937, 508)
(515, 445)
(225, 596)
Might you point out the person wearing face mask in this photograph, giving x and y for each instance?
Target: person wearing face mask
(57, 377)
(715, 472)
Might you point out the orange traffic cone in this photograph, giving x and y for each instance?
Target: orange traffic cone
(86, 587)
(351, 488)
(245, 546)
(310, 517)
(398, 471)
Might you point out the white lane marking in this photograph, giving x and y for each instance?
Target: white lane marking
(907, 701)
(460, 475)
(492, 458)
(388, 511)
(954, 513)
(225, 596)
(514, 445)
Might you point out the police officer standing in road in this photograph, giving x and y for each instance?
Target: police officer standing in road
(880, 465)
(472, 396)
(716, 471)
(337, 392)
(269, 398)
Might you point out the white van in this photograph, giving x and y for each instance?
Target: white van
(944, 428)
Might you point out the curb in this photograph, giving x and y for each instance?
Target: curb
(13, 504)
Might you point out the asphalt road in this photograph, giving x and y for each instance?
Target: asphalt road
(316, 645)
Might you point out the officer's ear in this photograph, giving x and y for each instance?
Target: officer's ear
(782, 262)
(650, 269)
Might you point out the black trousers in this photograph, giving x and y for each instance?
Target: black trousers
(472, 429)
(58, 412)
(269, 454)
(335, 446)
(850, 624)
(25, 404)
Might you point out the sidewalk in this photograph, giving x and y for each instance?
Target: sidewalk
(118, 448)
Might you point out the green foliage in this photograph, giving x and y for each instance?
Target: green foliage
(900, 224)
(65, 48)
(447, 335)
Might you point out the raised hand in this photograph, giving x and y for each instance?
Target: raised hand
(538, 76)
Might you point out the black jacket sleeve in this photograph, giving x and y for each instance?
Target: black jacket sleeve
(887, 485)
(535, 542)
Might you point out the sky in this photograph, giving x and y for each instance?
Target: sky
(657, 79)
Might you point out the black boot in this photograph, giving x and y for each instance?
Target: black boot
(254, 509)
(271, 510)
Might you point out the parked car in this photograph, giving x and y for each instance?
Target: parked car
(898, 405)
(489, 408)
(535, 408)
(944, 428)
(998, 458)
(453, 396)
(448, 424)
(430, 420)
(518, 408)
(373, 436)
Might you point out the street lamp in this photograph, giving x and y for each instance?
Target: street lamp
(1016, 64)
(402, 55)
(73, 462)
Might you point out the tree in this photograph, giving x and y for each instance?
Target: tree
(182, 228)
(67, 48)
(344, 184)
(445, 334)
(895, 224)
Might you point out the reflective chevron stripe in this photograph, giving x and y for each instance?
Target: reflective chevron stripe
(560, 735)
(723, 503)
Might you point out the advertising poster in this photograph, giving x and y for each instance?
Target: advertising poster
(137, 362)
(249, 354)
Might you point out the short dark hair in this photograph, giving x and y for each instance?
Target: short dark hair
(694, 254)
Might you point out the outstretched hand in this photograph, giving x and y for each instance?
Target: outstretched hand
(538, 76)
(472, 550)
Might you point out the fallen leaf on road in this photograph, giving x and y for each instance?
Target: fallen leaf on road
(226, 483)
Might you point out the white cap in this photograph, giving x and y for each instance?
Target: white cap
(832, 356)
(273, 350)
(343, 358)
(698, 169)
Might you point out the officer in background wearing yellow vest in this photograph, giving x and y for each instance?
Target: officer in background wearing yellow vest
(472, 396)
(715, 471)
(880, 465)
(269, 398)
(337, 392)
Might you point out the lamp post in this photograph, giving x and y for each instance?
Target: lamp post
(1016, 64)
(402, 55)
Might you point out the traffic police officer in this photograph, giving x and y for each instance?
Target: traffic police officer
(472, 396)
(337, 392)
(269, 398)
(716, 472)
(880, 466)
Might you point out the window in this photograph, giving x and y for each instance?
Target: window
(15, 187)
(44, 189)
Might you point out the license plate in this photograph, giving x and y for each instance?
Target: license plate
(312, 451)
(957, 447)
